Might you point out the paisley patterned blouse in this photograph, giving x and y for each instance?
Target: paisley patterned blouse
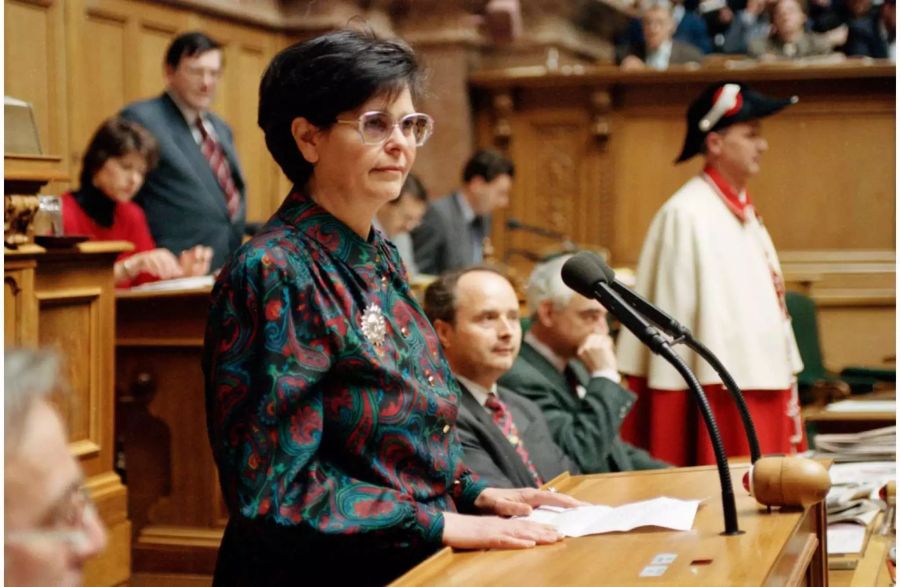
(330, 405)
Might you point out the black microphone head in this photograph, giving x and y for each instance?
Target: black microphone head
(606, 269)
(581, 272)
(513, 223)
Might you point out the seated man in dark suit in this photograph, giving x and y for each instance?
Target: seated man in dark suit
(452, 233)
(505, 438)
(195, 195)
(567, 366)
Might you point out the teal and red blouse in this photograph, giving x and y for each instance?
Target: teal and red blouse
(330, 406)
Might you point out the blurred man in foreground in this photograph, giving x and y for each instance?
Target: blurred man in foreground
(51, 527)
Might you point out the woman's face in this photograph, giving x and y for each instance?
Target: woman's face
(347, 168)
(121, 177)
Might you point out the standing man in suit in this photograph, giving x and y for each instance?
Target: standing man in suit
(454, 229)
(567, 366)
(505, 438)
(195, 195)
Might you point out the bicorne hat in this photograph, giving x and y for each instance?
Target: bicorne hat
(722, 105)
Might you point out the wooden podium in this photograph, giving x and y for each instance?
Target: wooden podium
(777, 548)
(174, 501)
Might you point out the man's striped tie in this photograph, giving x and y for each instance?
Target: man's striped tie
(213, 152)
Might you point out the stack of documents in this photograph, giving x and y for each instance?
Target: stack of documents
(852, 504)
(872, 445)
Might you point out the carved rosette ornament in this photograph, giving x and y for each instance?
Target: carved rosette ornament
(502, 103)
(18, 214)
(601, 105)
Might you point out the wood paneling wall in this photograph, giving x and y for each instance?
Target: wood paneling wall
(80, 61)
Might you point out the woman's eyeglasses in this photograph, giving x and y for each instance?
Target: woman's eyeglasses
(375, 127)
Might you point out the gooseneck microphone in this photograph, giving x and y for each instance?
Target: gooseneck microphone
(681, 333)
(583, 274)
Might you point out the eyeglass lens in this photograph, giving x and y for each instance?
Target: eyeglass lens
(376, 126)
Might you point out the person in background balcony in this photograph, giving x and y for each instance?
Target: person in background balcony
(790, 40)
(112, 171)
(658, 50)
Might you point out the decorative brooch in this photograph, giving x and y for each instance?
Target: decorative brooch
(373, 325)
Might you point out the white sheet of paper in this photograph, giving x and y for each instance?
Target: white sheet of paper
(176, 284)
(665, 512)
(846, 538)
(873, 472)
(852, 406)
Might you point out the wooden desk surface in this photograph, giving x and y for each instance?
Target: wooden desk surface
(774, 549)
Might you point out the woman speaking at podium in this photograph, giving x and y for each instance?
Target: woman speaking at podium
(330, 406)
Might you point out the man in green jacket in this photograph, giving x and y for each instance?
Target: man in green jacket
(567, 366)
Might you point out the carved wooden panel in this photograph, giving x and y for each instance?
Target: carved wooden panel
(35, 67)
(560, 168)
(19, 310)
(70, 322)
(175, 500)
(103, 81)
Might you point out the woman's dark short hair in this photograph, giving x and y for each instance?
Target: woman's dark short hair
(190, 45)
(322, 77)
(117, 137)
(489, 165)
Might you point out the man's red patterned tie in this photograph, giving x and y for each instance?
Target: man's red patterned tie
(503, 419)
(213, 152)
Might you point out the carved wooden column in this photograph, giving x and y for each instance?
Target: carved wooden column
(445, 35)
(601, 130)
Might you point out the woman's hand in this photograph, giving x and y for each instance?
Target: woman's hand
(469, 532)
(196, 260)
(519, 502)
(160, 263)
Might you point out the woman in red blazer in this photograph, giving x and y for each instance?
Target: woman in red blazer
(113, 169)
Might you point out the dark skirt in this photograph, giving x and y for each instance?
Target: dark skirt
(263, 554)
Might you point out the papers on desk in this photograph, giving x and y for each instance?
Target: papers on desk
(851, 504)
(665, 512)
(850, 406)
(873, 474)
(846, 538)
(176, 284)
(872, 445)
